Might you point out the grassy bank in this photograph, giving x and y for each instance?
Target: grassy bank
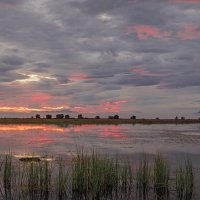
(95, 121)
(93, 176)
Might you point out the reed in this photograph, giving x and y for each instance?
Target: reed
(143, 177)
(185, 181)
(62, 179)
(36, 182)
(93, 176)
(161, 177)
(7, 179)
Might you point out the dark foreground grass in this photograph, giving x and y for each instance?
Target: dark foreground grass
(92, 176)
(185, 181)
(143, 175)
(161, 177)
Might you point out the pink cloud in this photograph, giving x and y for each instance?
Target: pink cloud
(114, 106)
(145, 31)
(80, 77)
(142, 71)
(40, 97)
(104, 107)
(190, 32)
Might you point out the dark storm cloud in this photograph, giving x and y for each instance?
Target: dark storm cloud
(183, 81)
(40, 67)
(9, 76)
(10, 1)
(12, 60)
(138, 80)
(96, 7)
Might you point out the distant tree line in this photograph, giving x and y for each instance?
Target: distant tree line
(80, 116)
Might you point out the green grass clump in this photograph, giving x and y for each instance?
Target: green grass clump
(95, 176)
(185, 181)
(161, 177)
(143, 177)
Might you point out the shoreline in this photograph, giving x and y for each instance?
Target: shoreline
(96, 121)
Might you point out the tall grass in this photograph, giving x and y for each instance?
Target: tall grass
(62, 180)
(143, 177)
(185, 181)
(37, 182)
(7, 179)
(92, 176)
(95, 176)
(161, 177)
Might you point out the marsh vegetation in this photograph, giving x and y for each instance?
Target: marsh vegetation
(90, 175)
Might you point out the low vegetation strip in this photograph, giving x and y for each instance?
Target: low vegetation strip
(95, 121)
(92, 176)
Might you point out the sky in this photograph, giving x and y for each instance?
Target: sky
(102, 57)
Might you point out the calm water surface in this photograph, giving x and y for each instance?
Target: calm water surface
(114, 139)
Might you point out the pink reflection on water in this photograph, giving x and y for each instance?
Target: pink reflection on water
(50, 138)
(113, 131)
(26, 127)
(28, 137)
(108, 131)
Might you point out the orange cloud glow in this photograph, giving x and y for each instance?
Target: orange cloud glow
(144, 32)
(29, 110)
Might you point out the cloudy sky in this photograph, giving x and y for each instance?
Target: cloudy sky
(100, 57)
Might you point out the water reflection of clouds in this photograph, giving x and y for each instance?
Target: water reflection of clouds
(108, 131)
(113, 131)
(56, 140)
(30, 127)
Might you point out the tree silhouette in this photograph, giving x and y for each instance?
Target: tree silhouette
(48, 116)
(133, 117)
(59, 116)
(80, 116)
(67, 116)
(116, 117)
(37, 116)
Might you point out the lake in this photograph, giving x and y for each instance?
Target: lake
(124, 140)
